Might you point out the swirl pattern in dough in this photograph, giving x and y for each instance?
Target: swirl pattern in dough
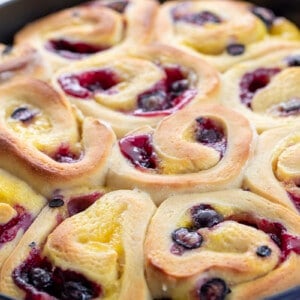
(223, 32)
(200, 148)
(229, 244)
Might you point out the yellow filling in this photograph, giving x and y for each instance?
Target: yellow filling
(31, 129)
(15, 192)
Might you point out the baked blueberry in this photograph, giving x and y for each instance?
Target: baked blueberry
(187, 238)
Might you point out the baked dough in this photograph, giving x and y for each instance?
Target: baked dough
(275, 170)
(265, 90)
(169, 160)
(107, 236)
(223, 32)
(136, 87)
(44, 142)
(233, 252)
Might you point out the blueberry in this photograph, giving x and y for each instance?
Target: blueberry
(214, 289)
(56, 202)
(293, 61)
(23, 114)
(235, 49)
(266, 15)
(180, 86)
(76, 291)
(186, 238)
(206, 218)
(208, 136)
(40, 278)
(153, 101)
(263, 251)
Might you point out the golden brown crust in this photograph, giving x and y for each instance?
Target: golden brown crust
(140, 70)
(274, 170)
(182, 165)
(209, 40)
(107, 236)
(93, 24)
(228, 250)
(34, 144)
(267, 104)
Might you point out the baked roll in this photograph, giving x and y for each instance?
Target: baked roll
(132, 88)
(81, 31)
(19, 205)
(47, 143)
(95, 254)
(266, 90)
(222, 245)
(223, 32)
(274, 172)
(21, 62)
(200, 148)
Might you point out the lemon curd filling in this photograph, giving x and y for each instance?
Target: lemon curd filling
(27, 121)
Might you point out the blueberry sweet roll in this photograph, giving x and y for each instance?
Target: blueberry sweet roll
(200, 148)
(223, 32)
(266, 90)
(82, 31)
(222, 245)
(55, 148)
(274, 172)
(95, 254)
(132, 88)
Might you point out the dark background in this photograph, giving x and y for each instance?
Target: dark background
(16, 13)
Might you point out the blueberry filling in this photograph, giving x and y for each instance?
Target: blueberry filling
(23, 114)
(266, 15)
(80, 203)
(296, 200)
(214, 289)
(293, 61)
(264, 251)
(139, 151)
(9, 230)
(209, 133)
(171, 93)
(64, 155)
(286, 242)
(289, 108)
(205, 217)
(199, 19)
(235, 49)
(38, 278)
(72, 50)
(56, 202)
(86, 84)
(187, 238)
(254, 81)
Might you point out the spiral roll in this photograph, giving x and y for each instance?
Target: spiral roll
(223, 32)
(81, 31)
(54, 147)
(222, 245)
(274, 172)
(112, 230)
(132, 88)
(200, 148)
(266, 90)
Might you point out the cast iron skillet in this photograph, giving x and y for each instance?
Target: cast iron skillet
(14, 14)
